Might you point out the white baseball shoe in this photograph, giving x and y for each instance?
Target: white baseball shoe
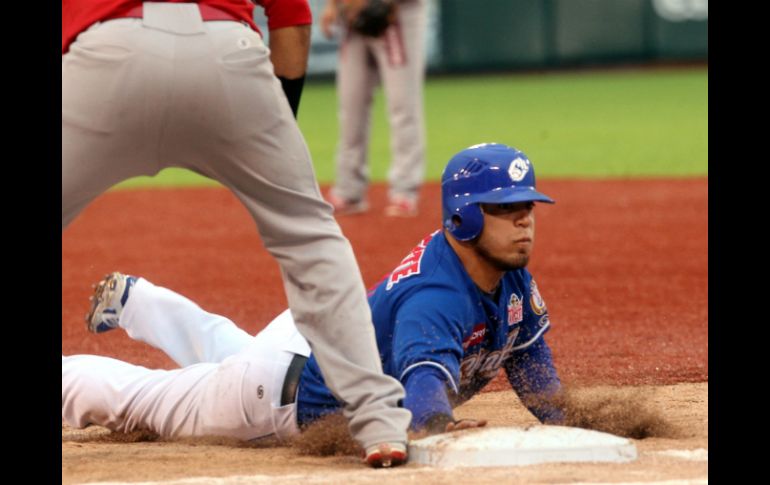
(399, 206)
(109, 298)
(386, 455)
(346, 207)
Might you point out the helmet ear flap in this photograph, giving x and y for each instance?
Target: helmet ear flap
(466, 223)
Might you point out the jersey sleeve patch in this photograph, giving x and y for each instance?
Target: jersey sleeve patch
(536, 301)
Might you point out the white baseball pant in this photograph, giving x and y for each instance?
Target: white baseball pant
(229, 382)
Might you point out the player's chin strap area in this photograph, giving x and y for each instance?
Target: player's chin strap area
(291, 382)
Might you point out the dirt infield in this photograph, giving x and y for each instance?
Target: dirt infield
(622, 265)
(681, 456)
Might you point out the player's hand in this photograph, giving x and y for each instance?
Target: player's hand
(466, 424)
(329, 18)
(455, 426)
(417, 435)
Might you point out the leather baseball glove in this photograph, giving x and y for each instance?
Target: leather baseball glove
(370, 17)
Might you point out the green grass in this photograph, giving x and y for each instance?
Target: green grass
(630, 123)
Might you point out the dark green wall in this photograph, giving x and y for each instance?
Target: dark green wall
(489, 34)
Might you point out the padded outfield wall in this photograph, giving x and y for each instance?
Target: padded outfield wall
(477, 35)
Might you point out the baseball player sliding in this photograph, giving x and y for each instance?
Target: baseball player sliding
(151, 85)
(460, 306)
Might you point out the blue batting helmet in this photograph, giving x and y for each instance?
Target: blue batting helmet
(487, 173)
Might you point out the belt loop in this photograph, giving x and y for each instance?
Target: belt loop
(177, 18)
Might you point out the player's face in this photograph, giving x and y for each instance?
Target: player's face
(508, 235)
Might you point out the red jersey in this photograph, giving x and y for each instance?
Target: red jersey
(78, 15)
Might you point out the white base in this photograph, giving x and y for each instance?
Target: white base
(507, 446)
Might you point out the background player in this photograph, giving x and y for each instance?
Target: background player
(152, 85)
(458, 308)
(397, 58)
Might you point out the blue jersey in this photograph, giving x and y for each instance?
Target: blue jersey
(445, 339)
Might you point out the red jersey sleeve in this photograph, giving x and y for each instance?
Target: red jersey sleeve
(286, 13)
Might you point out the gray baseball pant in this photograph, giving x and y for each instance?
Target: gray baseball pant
(170, 90)
(397, 59)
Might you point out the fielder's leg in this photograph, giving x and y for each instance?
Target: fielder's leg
(402, 78)
(106, 137)
(356, 80)
(260, 154)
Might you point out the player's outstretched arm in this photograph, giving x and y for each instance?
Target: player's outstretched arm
(426, 398)
(533, 377)
(428, 368)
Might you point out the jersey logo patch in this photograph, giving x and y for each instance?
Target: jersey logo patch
(476, 336)
(538, 305)
(410, 265)
(515, 310)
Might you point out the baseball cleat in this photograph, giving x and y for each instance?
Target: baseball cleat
(386, 455)
(109, 298)
(346, 207)
(401, 207)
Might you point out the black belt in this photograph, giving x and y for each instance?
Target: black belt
(291, 382)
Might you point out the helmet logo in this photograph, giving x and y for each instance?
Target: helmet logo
(518, 169)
